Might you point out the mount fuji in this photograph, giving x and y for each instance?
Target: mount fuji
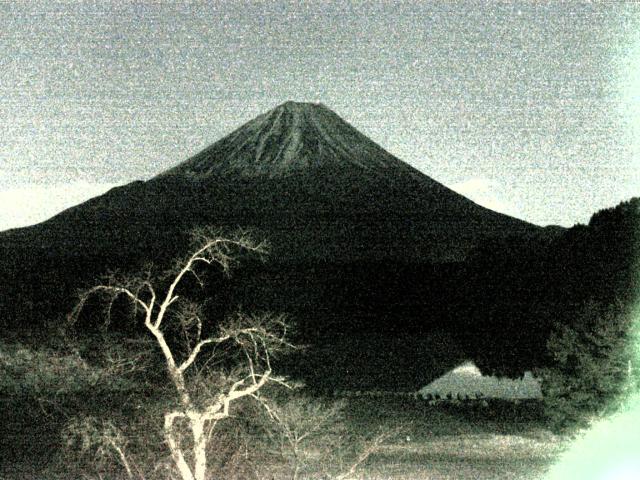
(358, 238)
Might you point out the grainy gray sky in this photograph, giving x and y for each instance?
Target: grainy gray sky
(531, 108)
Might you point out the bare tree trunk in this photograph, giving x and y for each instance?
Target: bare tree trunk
(296, 456)
(199, 446)
(176, 451)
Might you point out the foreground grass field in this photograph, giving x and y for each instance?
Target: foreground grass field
(499, 441)
(491, 456)
(43, 391)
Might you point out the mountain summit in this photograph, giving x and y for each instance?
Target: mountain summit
(292, 138)
(306, 180)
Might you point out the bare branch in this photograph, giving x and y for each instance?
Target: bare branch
(196, 350)
(369, 449)
(176, 451)
(213, 250)
(113, 292)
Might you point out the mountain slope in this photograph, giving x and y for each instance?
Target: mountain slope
(292, 138)
(305, 179)
(341, 215)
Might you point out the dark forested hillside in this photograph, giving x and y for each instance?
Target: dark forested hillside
(525, 290)
(390, 276)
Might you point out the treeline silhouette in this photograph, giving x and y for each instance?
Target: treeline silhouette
(401, 325)
(527, 288)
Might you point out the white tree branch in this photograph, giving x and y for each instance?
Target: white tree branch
(174, 447)
(196, 350)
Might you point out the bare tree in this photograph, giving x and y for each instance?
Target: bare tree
(84, 434)
(311, 435)
(368, 449)
(162, 308)
(306, 432)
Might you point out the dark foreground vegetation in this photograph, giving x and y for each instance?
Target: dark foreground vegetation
(70, 420)
(138, 380)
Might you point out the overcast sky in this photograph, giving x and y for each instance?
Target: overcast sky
(530, 108)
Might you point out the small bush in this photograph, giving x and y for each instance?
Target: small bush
(307, 434)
